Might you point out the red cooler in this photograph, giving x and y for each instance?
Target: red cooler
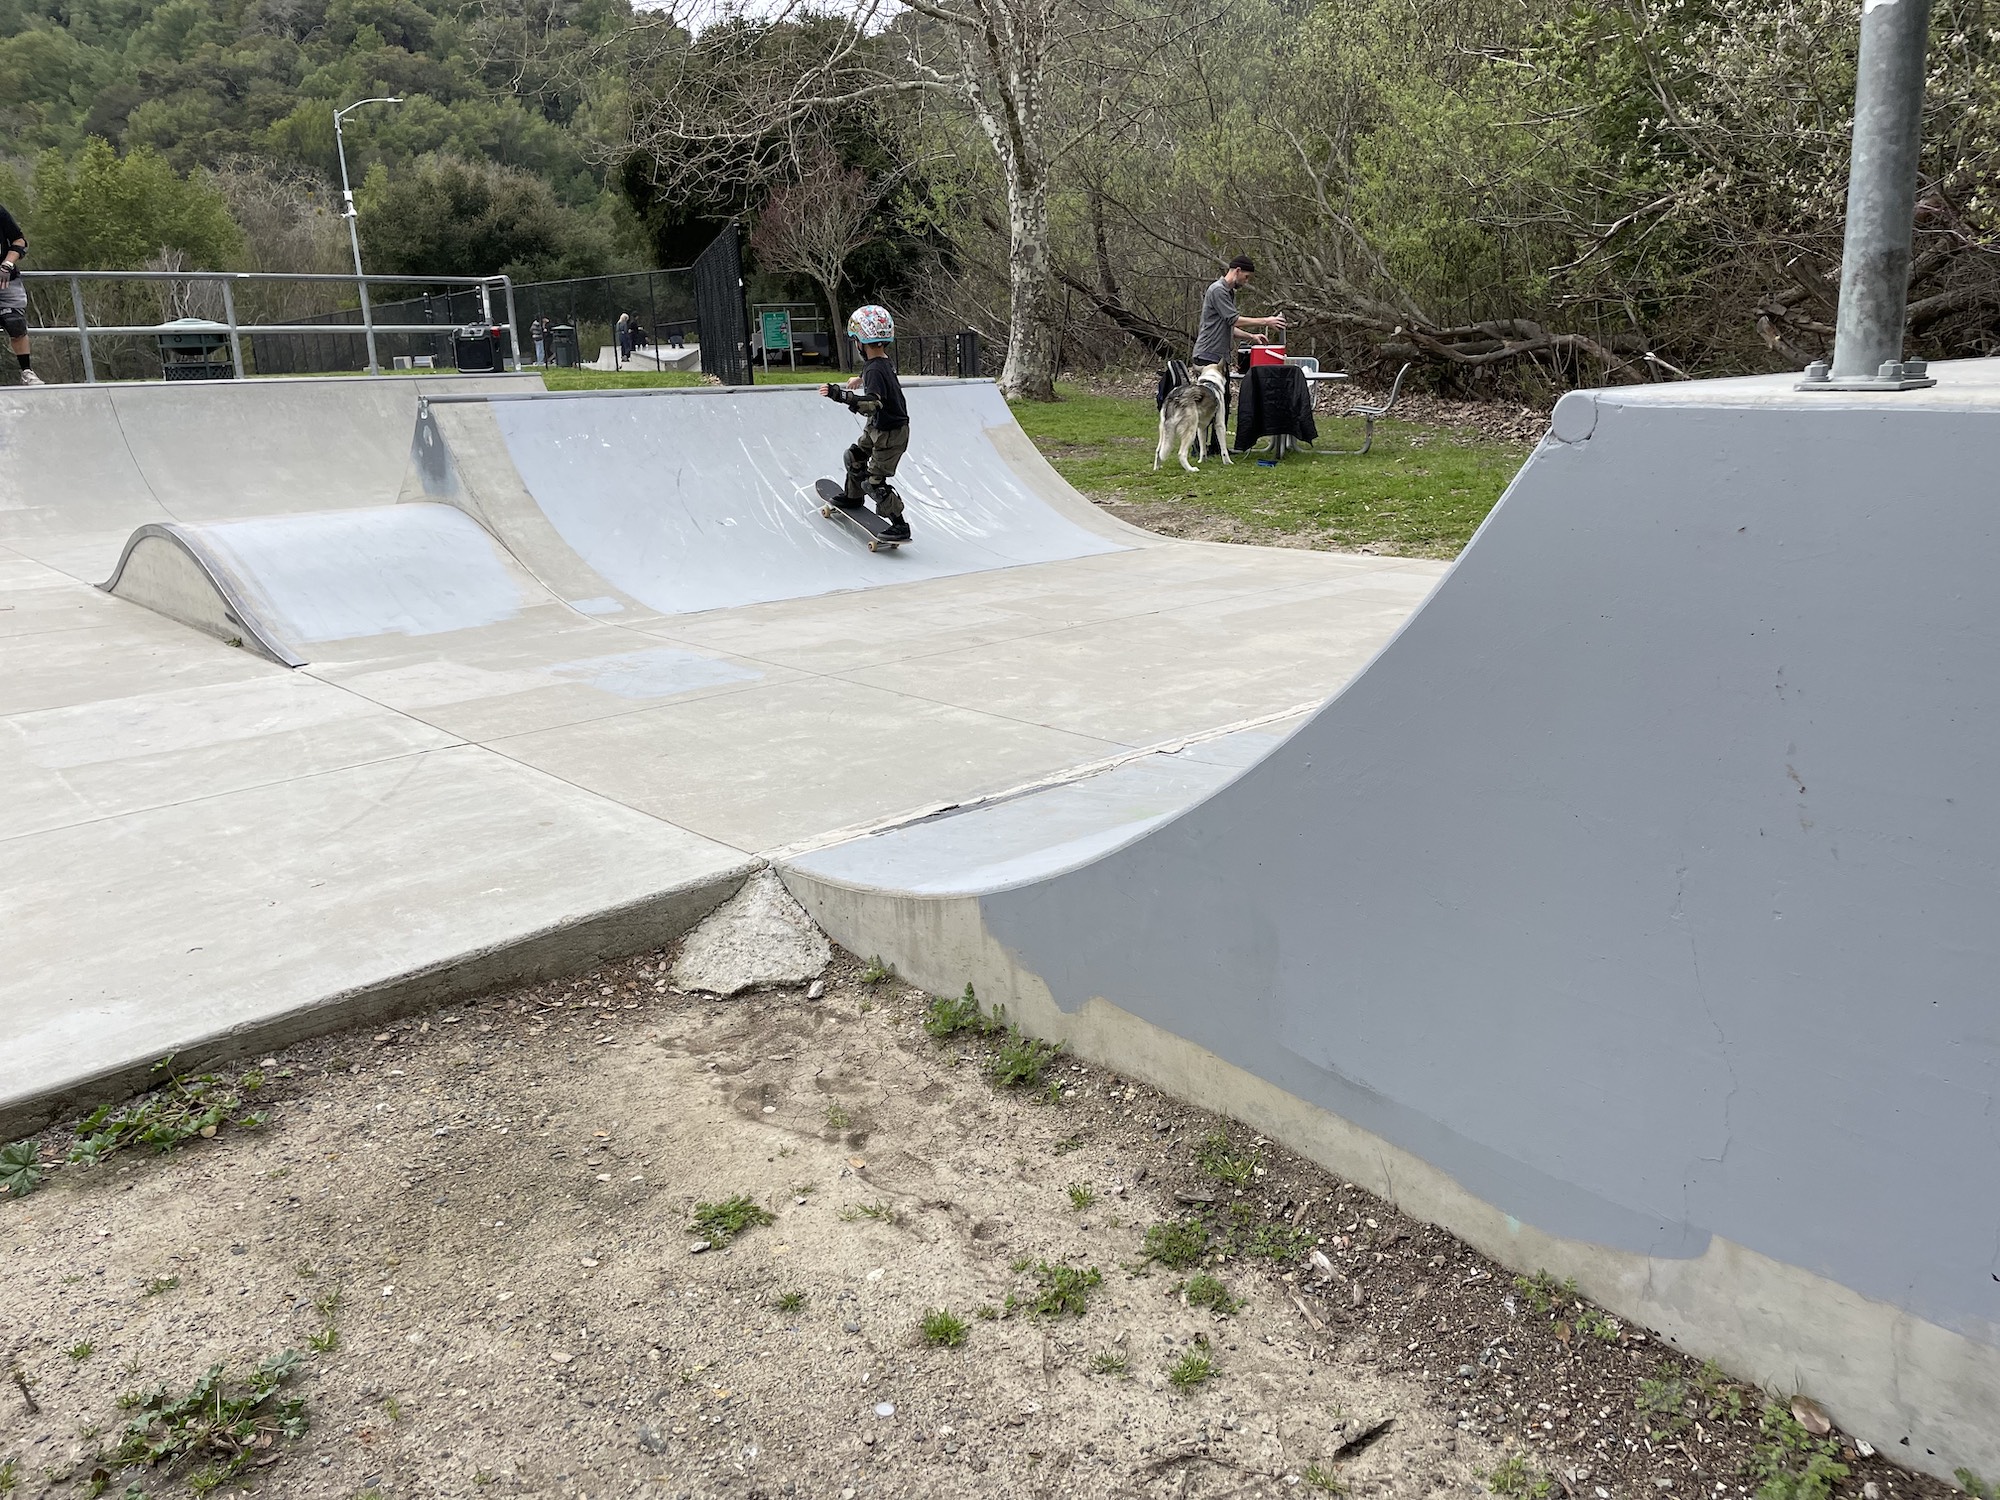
(1266, 354)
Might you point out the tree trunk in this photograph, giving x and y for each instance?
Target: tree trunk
(832, 294)
(1029, 374)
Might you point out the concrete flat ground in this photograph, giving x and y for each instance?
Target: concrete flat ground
(207, 850)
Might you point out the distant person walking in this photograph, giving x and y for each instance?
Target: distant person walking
(14, 295)
(539, 332)
(624, 337)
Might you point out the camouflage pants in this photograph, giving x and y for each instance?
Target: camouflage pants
(871, 463)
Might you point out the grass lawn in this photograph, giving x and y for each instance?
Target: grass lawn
(1421, 492)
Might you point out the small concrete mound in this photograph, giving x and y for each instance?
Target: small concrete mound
(760, 936)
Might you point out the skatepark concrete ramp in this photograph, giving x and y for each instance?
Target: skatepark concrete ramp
(1633, 914)
(281, 585)
(666, 502)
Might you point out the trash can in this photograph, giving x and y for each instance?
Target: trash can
(476, 349)
(197, 349)
(564, 353)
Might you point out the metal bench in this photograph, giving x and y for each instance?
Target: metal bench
(1369, 414)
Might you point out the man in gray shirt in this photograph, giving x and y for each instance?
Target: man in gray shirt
(1221, 324)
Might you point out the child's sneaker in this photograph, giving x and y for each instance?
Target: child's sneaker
(897, 530)
(29, 377)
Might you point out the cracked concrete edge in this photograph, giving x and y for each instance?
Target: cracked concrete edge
(555, 951)
(1922, 1394)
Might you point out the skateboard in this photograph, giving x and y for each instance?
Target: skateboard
(864, 520)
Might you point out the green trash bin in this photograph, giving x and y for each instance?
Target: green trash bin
(196, 349)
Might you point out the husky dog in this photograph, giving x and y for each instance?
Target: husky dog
(1191, 413)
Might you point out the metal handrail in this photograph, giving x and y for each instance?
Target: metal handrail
(367, 327)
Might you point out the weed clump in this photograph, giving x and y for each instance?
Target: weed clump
(1789, 1463)
(1021, 1060)
(719, 1223)
(1209, 1292)
(945, 1017)
(1110, 1362)
(1514, 1479)
(1214, 1157)
(1080, 1196)
(1190, 1370)
(1177, 1244)
(943, 1329)
(1060, 1291)
(232, 1423)
(790, 1302)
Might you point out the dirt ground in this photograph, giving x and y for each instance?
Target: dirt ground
(500, 1193)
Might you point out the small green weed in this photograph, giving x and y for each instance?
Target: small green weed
(1060, 1290)
(1514, 1479)
(1177, 1244)
(1276, 1242)
(947, 1018)
(1973, 1485)
(1080, 1197)
(837, 1118)
(1544, 1293)
(1789, 1463)
(944, 1329)
(184, 1108)
(393, 1407)
(21, 1169)
(987, 1314)
(876, 972)
(1110, 1362)
(1214, 1157)
(227, 1421)
(790, 1302)
(1190, 1370)
(1663, 1407)
(160, 1284)
(1209, 1292)
(883, 1213)
(1021, 1060)
(1319, 1477)
(1592, 1324)
(719, 1223)
(327, 1339)
(1068, 1144)
(10, 1475)
(80, 1351)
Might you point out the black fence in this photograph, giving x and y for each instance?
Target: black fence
(723, 310)
(955, 354)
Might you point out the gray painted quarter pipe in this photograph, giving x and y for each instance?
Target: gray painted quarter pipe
(1635, 914)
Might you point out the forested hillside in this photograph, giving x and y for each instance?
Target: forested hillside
(1514, 194)
(509, 170)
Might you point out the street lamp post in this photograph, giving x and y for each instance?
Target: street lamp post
(353, 234)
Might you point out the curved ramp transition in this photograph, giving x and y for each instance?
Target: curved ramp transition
(677, 501)
(282, 584)
(1633, 913)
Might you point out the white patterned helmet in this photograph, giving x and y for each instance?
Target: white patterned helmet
(872, 325)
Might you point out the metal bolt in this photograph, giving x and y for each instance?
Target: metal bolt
(1891, 370)
(1816, 372)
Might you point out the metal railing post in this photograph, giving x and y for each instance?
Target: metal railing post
(235, 339)
(513, 322)
(83, 329)
(367, 321)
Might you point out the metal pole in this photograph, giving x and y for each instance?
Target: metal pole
(513, 320)
(82, 329)
(354, 234)
(235, 339)
(1881, 203)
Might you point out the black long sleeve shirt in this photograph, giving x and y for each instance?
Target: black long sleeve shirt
(880, 398)
(11, 235)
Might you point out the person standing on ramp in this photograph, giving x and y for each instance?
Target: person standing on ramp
(877, 395)
(13, 295)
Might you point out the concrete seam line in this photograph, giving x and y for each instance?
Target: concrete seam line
(1067, 777)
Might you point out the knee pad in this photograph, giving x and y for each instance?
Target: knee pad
(14, 321)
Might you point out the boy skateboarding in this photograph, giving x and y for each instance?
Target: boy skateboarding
(13, 295)
(878, 396)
